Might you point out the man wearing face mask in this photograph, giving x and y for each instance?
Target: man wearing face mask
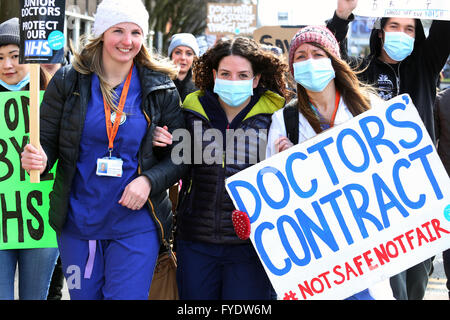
(401, 60)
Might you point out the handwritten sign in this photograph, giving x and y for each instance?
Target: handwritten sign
(229, 18)
(276, 36)
(23, 206)
(419, 9)
(349, 207)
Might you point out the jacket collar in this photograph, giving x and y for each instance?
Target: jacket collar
(267, 104)
(153, 80)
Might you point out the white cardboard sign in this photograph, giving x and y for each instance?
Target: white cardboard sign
(350, 207)
(420, 9)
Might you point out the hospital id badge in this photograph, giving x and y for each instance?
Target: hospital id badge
(110, 167)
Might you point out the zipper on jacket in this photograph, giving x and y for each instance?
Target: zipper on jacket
(397, 79)
(163, 240)
(150, 203)
(221, 184)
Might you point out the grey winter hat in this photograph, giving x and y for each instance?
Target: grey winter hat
(9, 32)
(186, 40)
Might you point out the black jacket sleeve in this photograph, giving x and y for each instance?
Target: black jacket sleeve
(50, 116)
(340, 29)
(436, 48)
(166, 173)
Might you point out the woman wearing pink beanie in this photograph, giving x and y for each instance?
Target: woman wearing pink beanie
(328, 94)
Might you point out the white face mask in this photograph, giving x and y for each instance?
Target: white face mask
(314, 74)
(233, 93)
(18, 86)
(398, 45)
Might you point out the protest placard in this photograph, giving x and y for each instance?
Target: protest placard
(349, 207)
(420, 9)
(42, 31)
(41, 25)
(23, 206)
(231, 18)
(277, 36)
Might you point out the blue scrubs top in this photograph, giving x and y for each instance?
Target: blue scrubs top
(94, 212)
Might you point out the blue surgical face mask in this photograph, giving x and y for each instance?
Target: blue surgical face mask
(16, 87)
(314, 74)
(233, 93)
(398, 45)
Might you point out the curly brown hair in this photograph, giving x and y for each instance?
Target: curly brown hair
(265, 63)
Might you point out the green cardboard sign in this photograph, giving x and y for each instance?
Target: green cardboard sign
(24, 206)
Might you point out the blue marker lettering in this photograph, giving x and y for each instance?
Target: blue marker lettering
(320, 147)
(399, 186)
(422, 155)
(360, 213)
(291, 178)
(377, 140)
(404, 124)
(287, 246)
(380, 189)
(344, 159)
(262, 189)
(263, 254)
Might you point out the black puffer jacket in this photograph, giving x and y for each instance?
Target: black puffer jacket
(185, 86)
(63, 111)
(205, 207)
(416, 75)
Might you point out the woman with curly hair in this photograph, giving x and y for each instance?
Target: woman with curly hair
(241, 86)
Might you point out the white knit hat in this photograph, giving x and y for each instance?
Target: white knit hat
(112, 12)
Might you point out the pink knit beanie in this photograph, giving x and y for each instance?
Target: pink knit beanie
(317, 34)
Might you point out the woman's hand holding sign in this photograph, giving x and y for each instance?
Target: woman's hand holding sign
(33, 159)
(282, 143)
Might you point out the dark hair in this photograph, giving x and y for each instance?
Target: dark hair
(265, 63)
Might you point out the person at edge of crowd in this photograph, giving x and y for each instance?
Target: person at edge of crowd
(240, 85)
(442, 126)
(183, 48)
(104, 108)
(57, 281)
(35, 265)
(328, 94)
(401, 60)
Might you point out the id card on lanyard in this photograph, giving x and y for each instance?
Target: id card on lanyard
(112, 166)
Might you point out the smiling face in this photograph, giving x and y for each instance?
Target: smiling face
(121, 43)
(11, 71)
(183, 57)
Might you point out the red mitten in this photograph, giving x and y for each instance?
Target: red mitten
(241, 224)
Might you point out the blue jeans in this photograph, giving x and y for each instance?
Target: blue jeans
(35, 272)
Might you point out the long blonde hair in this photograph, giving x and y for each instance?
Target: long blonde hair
(89, 60)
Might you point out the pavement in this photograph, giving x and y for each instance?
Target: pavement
(436, 289)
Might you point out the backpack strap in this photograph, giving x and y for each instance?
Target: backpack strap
(291, 120)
